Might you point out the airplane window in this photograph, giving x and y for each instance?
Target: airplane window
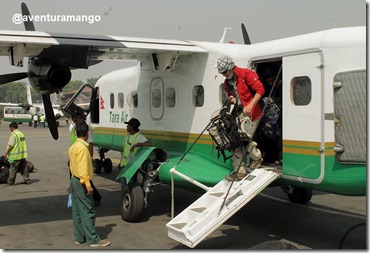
(120, 100)
(132, 99)
(170, 97)
(111, 100)
(198, 96)
(301, 90)
(156, 98)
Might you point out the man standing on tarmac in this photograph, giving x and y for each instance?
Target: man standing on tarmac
(42, 121)
(16, 152)
(83, 214)
(78, 119)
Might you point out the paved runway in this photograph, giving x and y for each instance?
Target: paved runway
(35, 216)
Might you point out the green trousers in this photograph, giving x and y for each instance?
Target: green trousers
(83, 214)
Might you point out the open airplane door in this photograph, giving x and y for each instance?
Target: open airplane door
(80, 102)
(303, 116)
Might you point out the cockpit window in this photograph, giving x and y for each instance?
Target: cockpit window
(132, 99)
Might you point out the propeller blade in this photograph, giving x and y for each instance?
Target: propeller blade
(50, 117)
(247, 41)
(28, 25)
(8, 78)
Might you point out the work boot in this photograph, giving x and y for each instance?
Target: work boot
(236, 177)
(255, 163)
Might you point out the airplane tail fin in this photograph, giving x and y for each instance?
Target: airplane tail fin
(29, 97)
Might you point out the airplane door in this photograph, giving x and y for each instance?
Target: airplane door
(80, 102)
(156, 98)
(302, 116)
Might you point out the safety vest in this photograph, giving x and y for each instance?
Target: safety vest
(19, 150)
(127, 143)
(73, 136)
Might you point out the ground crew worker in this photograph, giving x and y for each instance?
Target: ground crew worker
(132, 141)
(16, 152)
(83, 214)
(35, 119)
(78, 119)
(42, 121)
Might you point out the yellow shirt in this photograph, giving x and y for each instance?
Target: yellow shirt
(80, 162)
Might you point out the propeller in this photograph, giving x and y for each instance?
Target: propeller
(247, 41)
(50, 117)
(28, 25)
(49, 112)
(8, 78)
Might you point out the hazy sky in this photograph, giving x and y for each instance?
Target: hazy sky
(199, 20)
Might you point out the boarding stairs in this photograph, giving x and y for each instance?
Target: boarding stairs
(205, 215)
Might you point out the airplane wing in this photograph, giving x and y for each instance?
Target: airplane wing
(52, 56)
(82, 51)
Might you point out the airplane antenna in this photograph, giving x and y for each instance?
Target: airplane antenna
(223, 35)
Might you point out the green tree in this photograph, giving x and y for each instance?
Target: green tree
(72, 86)
(14, 92)
(93, 80)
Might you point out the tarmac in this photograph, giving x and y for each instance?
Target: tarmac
(35, 216)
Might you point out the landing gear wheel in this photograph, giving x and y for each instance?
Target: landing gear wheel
(108, 166)
(132, 203)
(299, 195)
(97, 166)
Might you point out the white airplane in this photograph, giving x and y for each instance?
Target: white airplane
(174, 89)
(29, 108)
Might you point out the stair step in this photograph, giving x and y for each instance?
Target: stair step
(205, 215)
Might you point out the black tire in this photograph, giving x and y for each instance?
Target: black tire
(132, 203)
(108, 166)
(299, 195)
(97, 166)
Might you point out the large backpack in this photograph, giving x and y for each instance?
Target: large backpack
(4, 170)
(269, 121)
(225, 132)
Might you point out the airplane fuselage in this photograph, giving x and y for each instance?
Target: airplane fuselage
(323, 99)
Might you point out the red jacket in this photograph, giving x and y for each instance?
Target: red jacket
(247, 85)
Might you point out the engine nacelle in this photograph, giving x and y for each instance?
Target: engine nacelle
(48, 78)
